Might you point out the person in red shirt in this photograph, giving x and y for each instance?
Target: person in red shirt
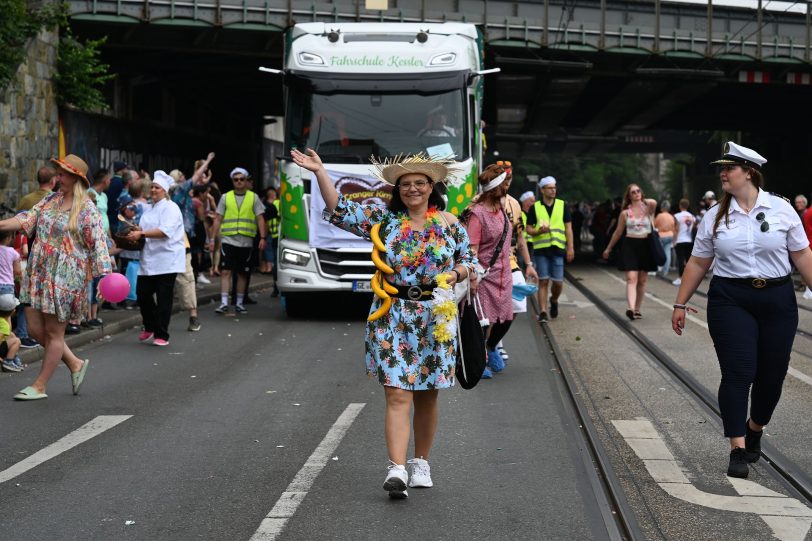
(806, 218)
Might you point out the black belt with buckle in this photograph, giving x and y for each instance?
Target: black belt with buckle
(415, 293)
(758, 283)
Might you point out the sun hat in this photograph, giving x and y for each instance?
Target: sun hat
(8, 302)
(436, 168)
(74, 165)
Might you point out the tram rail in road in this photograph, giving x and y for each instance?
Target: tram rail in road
(778, 466)
(620, 520)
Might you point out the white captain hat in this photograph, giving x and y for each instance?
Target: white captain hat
(738, 155)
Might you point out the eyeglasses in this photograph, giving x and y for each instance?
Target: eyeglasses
(765, 226)
(239, 179)
(420, 184)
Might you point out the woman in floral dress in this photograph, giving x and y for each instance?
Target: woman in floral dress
(69, 251)
(422, 241)
(487, 227)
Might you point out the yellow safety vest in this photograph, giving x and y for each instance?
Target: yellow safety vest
(557, 235)
(524, 223)
(239, 220)
(273, 223)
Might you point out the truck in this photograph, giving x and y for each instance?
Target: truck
(354, 91)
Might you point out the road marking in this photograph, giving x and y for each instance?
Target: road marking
(794, 372)
(788, 518)
(91, 429)
(272, 525)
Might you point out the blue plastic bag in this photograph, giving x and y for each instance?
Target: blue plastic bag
(520, 291)
(132, 276)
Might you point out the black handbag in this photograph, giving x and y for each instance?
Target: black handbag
(471, 357)
(656, 247)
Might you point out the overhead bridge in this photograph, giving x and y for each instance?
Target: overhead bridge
(779, 31)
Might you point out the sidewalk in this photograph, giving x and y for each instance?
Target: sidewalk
(116, 321)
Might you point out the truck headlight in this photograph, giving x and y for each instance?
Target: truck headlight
(311, 59)
(295, 257)
(444, 59)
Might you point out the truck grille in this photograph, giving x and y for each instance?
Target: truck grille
(345, 265)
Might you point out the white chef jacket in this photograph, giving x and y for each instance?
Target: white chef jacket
(167, 254)
(742, 249)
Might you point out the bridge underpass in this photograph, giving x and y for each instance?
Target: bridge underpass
(600, 77)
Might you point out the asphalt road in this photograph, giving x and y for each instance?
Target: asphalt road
(222, 421)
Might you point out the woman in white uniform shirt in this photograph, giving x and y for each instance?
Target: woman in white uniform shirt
(752, 313)
(162, 258)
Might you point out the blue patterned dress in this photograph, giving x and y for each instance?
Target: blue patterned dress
(400, 347)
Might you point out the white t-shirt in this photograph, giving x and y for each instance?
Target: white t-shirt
(686, 222)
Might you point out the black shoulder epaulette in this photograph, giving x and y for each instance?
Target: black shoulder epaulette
(781, 196)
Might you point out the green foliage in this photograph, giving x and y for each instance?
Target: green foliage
(17, 25)
(81, 73)
(585, 178)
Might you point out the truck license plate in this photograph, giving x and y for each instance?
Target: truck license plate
(361, 286)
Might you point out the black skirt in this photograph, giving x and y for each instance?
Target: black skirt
(635, 255)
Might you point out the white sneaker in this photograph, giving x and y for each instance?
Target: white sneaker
(677, 282)
(808, 294)
(421, 474)
(395, 482)
(201, 278)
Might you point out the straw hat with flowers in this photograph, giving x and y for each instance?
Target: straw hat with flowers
(436, 168)
(74, 165)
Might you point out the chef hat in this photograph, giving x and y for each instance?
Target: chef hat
(525, 196)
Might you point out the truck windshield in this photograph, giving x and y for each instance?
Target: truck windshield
(349, 128)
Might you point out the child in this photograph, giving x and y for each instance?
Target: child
(11, 271)
(10, 344)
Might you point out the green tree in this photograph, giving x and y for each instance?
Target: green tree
(17, 25)
(81, 73)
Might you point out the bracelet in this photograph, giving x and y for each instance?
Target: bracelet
(680, 306)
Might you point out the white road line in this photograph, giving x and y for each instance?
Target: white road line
(788, 518)
(272, 525)
(93, 428)
(794, 372)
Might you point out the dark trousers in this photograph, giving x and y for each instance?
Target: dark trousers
(156, 315)
(683, 250)
(752, 330)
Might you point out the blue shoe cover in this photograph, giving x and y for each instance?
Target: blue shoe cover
(495, 361)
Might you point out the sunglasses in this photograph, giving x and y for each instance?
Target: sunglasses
(764, 225)
(239, 179)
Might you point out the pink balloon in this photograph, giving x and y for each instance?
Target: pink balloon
(114, 287)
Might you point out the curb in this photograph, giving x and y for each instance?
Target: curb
(34, 355)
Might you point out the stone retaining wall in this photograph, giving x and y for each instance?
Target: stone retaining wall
(29, 119)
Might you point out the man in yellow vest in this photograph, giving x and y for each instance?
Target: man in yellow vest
(239, 218)
(527, 200)
(549, 225)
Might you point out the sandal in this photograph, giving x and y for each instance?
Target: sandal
(29, 393)
(638, 315)
(630, 314)
(76, 378)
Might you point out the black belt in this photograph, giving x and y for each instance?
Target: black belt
(415, 293)
(757, 283)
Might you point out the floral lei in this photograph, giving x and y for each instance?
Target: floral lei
(417, 249)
